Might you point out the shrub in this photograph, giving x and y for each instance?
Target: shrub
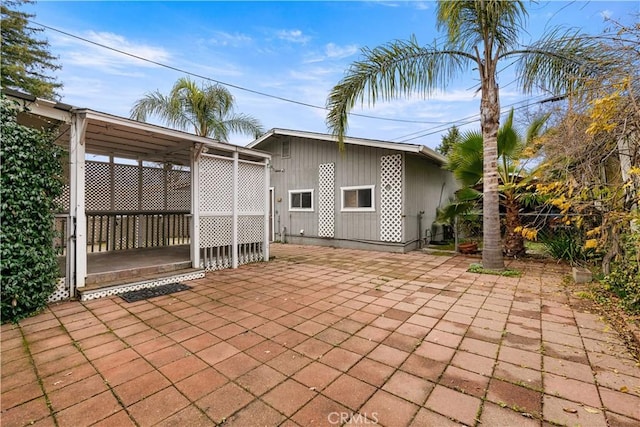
(624, 278)
(565, 245)
(31, 179)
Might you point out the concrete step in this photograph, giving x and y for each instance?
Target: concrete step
(98, 279)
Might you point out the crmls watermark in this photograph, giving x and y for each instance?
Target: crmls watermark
(340, 418)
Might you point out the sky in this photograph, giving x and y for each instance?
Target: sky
(272, 53)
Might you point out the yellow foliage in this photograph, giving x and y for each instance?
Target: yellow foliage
(593, 232)
(530, 233)
(561, 203)
(591, 244)
(603, 113)
(549, 188)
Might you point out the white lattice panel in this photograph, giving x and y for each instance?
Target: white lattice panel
(61, 291)
(62, 202)
(251, 197)
(250, 229)
(179, 190)
(216, 184)
(391, 198)
(215, 231)
(126, 180)
(152, 189)
(97, 187)
(326, 200)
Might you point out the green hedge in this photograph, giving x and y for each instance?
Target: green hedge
(624, 278)
(31, 176)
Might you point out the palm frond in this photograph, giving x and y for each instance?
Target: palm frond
(207, 110)
(562, 61)
(242, 123)
(466, 160)
(474, 22)
(396, 69)
(509, 140)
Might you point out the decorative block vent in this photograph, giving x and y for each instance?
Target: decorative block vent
(391, 198)
(326, 200)
(61, 292)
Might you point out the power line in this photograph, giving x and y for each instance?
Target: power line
(440, 126)
(253, 91)
(473, 118)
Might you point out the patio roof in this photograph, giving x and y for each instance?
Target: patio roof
(116, 136)
(407, 148)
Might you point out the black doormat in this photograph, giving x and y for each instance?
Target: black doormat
(139, 295)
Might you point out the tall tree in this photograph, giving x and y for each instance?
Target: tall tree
(448, 141)
(480, 34)
(206, 109)
(26, 60)
(514, 151)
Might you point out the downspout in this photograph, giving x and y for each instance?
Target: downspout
(420, 214)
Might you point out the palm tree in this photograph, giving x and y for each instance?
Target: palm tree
(480, 34)
(514, 151)
(207, 109)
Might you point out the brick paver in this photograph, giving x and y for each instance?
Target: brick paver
(323, 336)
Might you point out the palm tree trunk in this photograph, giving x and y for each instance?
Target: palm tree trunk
(513, 242)
(490, 122)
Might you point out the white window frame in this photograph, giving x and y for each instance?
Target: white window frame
(358, 187)
(299, 191)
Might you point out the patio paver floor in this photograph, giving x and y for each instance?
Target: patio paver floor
(323, 336)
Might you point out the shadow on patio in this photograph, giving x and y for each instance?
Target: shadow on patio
(324, 336)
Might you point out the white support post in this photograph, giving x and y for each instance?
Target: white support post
(142, 236)
(267, 208)
(234, 215)
(77, 246)
(195, 207)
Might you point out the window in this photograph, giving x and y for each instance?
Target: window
(358, 199)
(286, 148)
(301, 200)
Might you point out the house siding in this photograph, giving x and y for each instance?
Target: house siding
(357, 165)
(428, 187)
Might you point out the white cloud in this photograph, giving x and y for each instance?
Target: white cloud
(294, 36)
(421, 5)
(222, 38)
(91, 55)
(334, 51)
(386, 3)
(331, 51)
(606, 14)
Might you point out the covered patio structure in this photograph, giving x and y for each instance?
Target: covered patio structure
(146, 205)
